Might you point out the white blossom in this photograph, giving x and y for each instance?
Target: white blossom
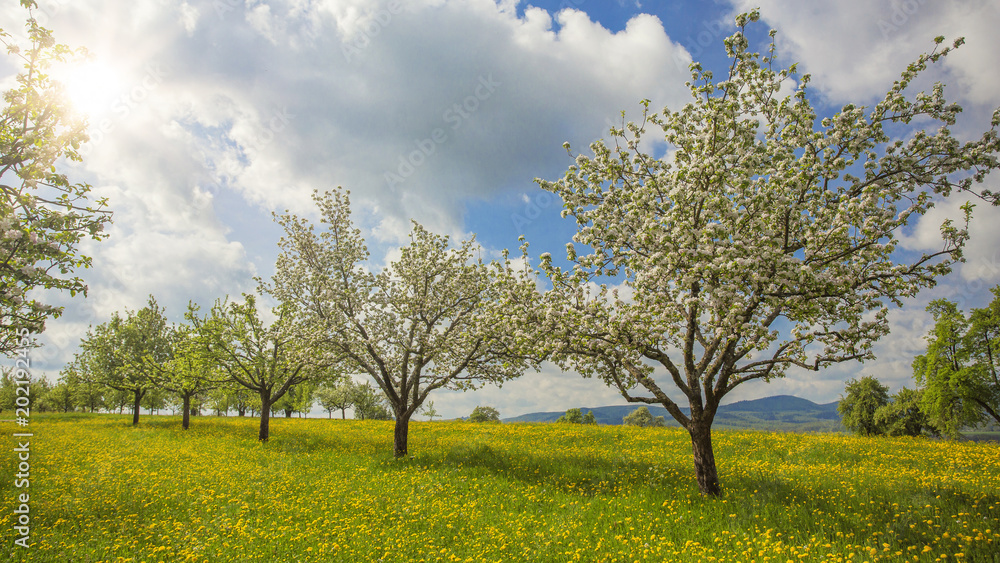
(753, 223)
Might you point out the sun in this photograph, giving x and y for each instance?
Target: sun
(91, 87)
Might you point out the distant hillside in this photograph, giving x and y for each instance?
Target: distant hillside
(781, 412)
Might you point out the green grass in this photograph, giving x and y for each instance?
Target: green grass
(325, 490)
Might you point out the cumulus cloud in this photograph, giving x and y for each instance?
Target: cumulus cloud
(855, 49)
(223, 111)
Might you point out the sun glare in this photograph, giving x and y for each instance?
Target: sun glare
(92, 87)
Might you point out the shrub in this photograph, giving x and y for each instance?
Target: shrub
(484, 414)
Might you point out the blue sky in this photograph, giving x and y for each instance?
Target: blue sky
(209, 115)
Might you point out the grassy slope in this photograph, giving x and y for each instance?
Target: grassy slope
(330, 491)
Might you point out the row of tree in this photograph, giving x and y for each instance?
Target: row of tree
(74, 393)
(767, 241)
(958, 380)
(226, 360)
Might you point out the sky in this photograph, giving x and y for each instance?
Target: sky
(207, 116)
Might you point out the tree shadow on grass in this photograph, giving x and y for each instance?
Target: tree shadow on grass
(288, 439)
(577, 474)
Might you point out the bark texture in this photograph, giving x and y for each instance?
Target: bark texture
(704, 459)
(400, 435)
(265, 419)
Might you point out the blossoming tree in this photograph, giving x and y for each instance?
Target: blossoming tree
(434, 319)
(191, 370)
(121, 353)
(767, 240)
(43, 215)
(267, 359)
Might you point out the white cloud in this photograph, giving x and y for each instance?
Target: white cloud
(271, 99)
(228, 110)
(856, 48)
(189, 17)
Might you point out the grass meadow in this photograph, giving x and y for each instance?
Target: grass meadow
(330, 490)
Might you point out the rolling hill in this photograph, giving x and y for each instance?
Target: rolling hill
(780, 412)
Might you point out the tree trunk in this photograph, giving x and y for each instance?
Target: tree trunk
(135, 408)
(343, 414)
(399, 436)
(265, 418)
(704, 458)
(186, 409)
(288, 413)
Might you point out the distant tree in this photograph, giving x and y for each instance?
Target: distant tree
(484, 414)
(253, 404)
(191, 370)
(61, 398)
(121, 353)
(116, 400)
(304, 398)
(284, 405)
(44, 216)
(572, 416)
(430, 412)
(436, 318)
(903, 415)
(337, 396)
(864, 397)
(589, 418)
(149, 341)
(86, 395)
(218, 401)
(765, 241)
(266, 359)
(100, 362)
(959, 370)
(154, 400)
(39, 391)
(8, 392)
(369, 404)
(642, 417)
(298, 399)
(235, 396)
